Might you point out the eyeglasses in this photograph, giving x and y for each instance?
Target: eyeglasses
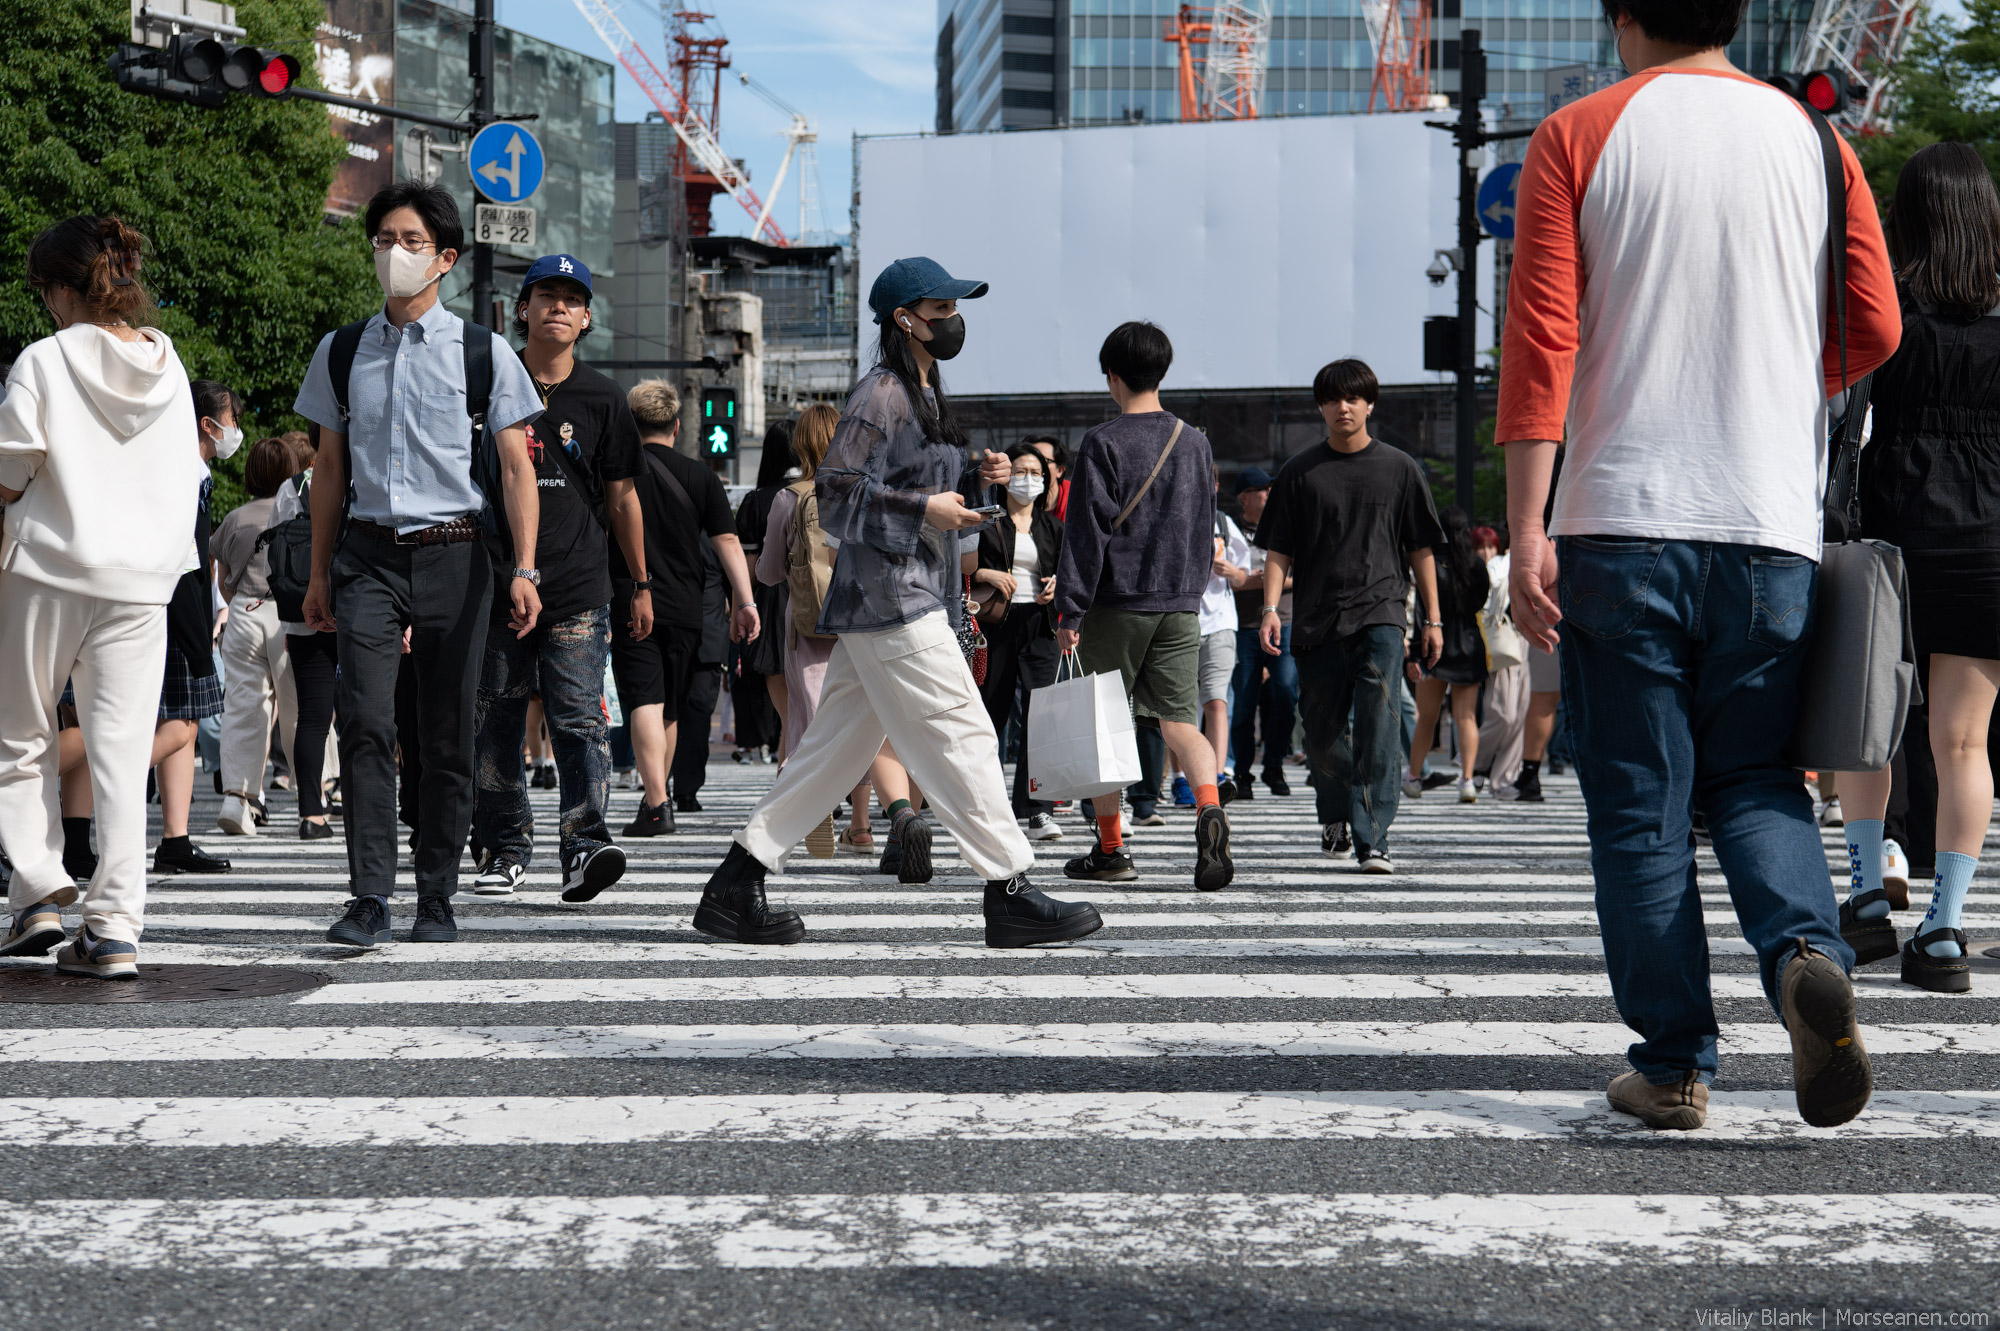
(414, 243)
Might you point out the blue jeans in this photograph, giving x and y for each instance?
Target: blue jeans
(1680, 667)
(1275, 695)
(568, 656)
(1357, 766)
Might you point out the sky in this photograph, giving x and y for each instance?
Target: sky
(850, 65)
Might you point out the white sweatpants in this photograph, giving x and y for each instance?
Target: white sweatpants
(1503, 736)
(910, 685)
(115, 653)
(256, 677)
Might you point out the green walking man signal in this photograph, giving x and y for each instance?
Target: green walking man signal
(718, 422)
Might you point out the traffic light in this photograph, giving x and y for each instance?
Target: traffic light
(1441, 342)
(202, 70)
(1827, 91)
(718, 423)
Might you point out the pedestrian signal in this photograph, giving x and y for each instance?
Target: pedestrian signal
(718, 422)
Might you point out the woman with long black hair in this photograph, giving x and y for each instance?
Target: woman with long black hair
(888, 492)
(1017, 571)
(1930, 485)
(1462, 587)
(757, 680)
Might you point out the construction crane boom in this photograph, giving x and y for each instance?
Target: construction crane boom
(688, 125)
(800, 137)
(1402, 54)
(1235, 35)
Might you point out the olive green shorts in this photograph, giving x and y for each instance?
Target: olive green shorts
(1158, 654)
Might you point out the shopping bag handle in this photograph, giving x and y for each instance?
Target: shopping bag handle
(1071, 660)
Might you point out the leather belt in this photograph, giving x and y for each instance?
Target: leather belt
(445, 533)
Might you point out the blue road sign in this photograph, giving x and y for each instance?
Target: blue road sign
(506, 162)
(1496, 199)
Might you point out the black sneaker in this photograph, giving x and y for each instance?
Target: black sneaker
(312, 831)
(892, 858)
(1018, 915)
(733, 907)
(1528, 787)
(1225, 791)
(435, 922)
(1246, 787)
(1334, 840)
(687, 804)
(1213, 869)
(1831, 1074)
(499, 878)
(180, 855)
(1276, 781)
(1433, 780)
(1102, 866)
(652, 820)
(591, 870)
(915, 834)
(1871, 940)
(366, 924)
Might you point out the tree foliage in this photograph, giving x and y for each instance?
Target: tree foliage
(247, 272)
(1946, 88)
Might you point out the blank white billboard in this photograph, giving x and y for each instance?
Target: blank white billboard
(1265, 248)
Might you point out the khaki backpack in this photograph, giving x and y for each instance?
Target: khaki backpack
(808, 563)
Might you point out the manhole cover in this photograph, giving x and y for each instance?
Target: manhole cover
(156, 984)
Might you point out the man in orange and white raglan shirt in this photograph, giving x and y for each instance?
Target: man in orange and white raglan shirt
(1669, 313)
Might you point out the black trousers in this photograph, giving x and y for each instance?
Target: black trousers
(690, 770)
(315, 666)
(1020, 655)
(442, 594)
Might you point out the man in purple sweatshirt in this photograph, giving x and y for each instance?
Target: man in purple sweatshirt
(1138, 550)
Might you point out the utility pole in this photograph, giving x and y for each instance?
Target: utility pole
(482, 114)
(1471, 141)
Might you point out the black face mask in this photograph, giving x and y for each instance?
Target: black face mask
(947, 336)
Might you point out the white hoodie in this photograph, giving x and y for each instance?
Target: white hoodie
(99, 435)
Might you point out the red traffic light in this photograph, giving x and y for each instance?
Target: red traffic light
(1825, 92)
(278, 76)
(271, 73)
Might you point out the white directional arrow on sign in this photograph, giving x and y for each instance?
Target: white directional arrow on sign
(511, 173)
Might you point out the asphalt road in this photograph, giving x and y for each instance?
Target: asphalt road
(1311, 1100)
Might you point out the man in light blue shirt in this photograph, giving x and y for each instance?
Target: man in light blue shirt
(409, 571)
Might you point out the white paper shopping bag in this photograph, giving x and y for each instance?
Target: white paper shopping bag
(1080, 740)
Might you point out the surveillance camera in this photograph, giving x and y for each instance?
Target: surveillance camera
(1437, 272)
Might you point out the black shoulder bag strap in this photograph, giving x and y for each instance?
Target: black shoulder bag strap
(1842, 518)
(665, 475)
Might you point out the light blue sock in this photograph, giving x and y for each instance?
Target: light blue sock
(1954, 880)
(1864, 862)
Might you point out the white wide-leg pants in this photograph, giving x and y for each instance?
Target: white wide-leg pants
(257, 678)
(910, 685)
(115, 652)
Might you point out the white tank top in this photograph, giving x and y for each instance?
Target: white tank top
(1027, 582)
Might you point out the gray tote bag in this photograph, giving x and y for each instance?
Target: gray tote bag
(1860, 674)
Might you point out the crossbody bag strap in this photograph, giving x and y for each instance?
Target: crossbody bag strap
(1842, 492)
(665, 475)
(1151, 476)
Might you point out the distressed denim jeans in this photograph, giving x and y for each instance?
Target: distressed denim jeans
(564, 663)
(1357, 765)
(1680, 666)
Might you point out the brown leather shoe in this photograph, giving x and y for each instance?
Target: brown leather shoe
(1681, 1105)
(1831, 1075)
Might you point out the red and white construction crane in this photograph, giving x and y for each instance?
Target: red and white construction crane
(1227, 81)
(1401, 33)
(698, 58)
(1860, 38)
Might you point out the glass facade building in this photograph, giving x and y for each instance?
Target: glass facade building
(999, 66)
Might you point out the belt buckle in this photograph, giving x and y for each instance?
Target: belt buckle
(396, 537)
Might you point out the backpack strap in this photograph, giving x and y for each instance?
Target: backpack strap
(1842, 520)
(340, 360)
(478, 373)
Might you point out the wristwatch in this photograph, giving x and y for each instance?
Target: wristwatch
(1272, 610)
(642, 585)
(533, 575)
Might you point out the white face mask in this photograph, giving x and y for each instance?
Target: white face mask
(1027, 489)
(230, 440)
(401, 273)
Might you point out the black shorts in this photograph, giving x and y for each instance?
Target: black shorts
(657, 670)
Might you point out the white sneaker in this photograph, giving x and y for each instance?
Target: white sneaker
(1831, 815)
(1041, 827)
(1468, 793)
(498, 879)
(1896, 874)
(1413, 789)
(627, 780)
(236, 816)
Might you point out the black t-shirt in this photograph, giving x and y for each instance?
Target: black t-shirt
(586, 434)
(1348, 522)
(674, 558)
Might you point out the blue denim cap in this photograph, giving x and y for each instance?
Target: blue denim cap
(566, 266)
(907, 281)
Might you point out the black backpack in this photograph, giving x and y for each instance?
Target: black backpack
(288, 552)
(478, 346)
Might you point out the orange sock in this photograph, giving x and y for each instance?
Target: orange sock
(1205, 796)
(1108, 834)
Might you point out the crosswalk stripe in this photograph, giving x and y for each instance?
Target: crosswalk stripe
(837, 1232)
(1104, 1040)
(627, 894)
(575, 1120)
(1035, 988)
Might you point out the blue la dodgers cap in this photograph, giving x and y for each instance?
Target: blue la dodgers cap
(566, 266)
